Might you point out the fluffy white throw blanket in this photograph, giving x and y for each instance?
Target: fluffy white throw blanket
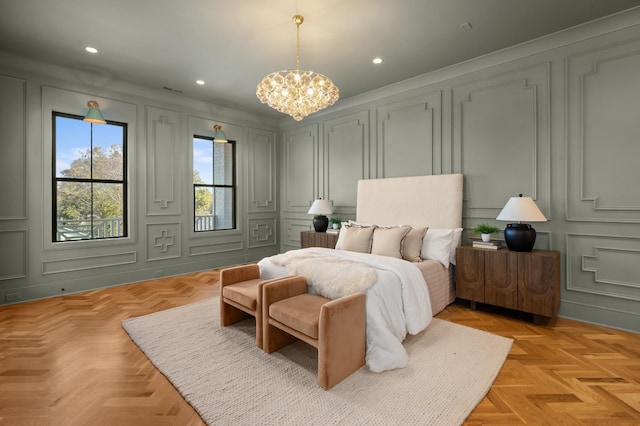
(328, 276)
(397, 303)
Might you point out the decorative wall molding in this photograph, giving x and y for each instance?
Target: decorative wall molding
(81, 263)
(262, 232)
(14, 262)
(13, 148)
(603, 265)
(301, 171)
(346, 154)
(607, 274)
(293, 227)
(603, 95)
(163, 127)
(213, 248)
(163, 241)
(501, 123)
(261, 169)
(410, 136)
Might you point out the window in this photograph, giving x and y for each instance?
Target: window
(214, 184)
(89, 182)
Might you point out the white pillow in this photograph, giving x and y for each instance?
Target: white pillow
(436, 245)
(455, 242)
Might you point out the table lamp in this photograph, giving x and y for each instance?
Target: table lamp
(520, 236)
(320, 208)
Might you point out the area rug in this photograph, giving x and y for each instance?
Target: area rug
(228, 380)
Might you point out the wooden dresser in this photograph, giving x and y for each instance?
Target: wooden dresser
(528, 282)
(318, 239)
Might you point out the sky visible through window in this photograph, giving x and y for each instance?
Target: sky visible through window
(203, 159)
(73, 138)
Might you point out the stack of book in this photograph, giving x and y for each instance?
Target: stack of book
(492, 245)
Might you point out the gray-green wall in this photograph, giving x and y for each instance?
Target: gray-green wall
(557, 119)
(160, 130)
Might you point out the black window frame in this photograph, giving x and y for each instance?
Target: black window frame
(55, 179)
(233, 186)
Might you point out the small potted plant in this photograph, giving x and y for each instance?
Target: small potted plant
(485, 230)
(335, 222)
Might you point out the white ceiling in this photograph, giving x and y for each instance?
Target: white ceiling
(232, 44)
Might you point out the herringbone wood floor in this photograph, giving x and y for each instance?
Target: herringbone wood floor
(67, 361)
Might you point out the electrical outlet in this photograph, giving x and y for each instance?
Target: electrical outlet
(158, 273)
(12, 297)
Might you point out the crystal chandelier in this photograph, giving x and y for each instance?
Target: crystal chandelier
(297, 92)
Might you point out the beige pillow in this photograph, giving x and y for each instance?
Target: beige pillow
(387, 241)
(356, 238)
(341, 235)
(412, 244)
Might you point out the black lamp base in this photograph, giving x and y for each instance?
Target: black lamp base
(320, 223)
(520, 236)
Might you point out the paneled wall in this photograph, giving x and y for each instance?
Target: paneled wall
(13, 174)
(161, 240)
(556, 119)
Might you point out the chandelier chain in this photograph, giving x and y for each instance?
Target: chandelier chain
(298, 20)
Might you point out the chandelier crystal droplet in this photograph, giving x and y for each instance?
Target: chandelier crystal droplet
(297, 92)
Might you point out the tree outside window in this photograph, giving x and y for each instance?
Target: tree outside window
(89, 182)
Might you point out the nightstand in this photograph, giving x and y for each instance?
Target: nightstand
(524, 281)
(318, 239)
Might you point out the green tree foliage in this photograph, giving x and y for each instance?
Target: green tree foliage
(75, 198)
(203, 197)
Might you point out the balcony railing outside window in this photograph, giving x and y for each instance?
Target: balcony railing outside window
(70, 230)
(205, 223)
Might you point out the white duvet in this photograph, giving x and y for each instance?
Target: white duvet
(397, 303)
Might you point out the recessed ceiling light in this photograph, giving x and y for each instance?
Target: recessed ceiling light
(377, 61)
(200, 82)
(91, 49)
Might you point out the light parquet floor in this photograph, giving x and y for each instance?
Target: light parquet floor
(561, 373)
(67, 361)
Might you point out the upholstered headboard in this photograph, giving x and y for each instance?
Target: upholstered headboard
(434, 201)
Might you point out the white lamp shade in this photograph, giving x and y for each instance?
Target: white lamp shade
(320, 207)
(521, 209)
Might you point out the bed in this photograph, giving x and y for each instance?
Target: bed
(406, 231)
